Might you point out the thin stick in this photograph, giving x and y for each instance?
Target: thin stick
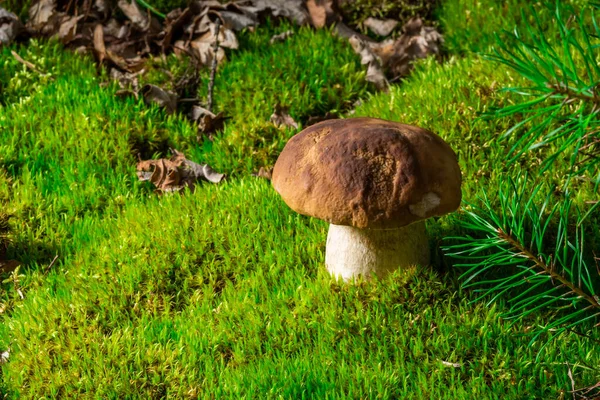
(570, 375)
(25, 62)
(213, 68)
(51, 264)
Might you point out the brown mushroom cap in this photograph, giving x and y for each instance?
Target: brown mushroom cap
(368, 173)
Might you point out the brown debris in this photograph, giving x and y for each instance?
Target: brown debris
(282, 37)
(381, 27)
(206, 120)
(281, 117)
(264, 172)
(392, 59)
(176, 173)
(153, 94)
(10, 27)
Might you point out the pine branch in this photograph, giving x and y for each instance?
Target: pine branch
(547, 269)
(569, 93)
(533, 247)
(564, 78)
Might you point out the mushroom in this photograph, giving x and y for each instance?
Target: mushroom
(375, 182)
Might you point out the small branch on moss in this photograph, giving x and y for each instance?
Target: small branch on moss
(547, 269)
(49, 267)
(213, 68)
(26, 63)
(152, 9)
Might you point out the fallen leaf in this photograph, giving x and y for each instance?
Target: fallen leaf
(263, 172)
(280, 117)
(450, 364)
(4, 357)
(139, 19)
(322, 13)
(375, 72)
(153, 94)
(238, 20)
(417, 41)
(41, 14)
(68, 29)
(281, 37)
(99, 46)
(176, 173)
(207, 121)
(10, 27)
(292, 9)
(381, 27)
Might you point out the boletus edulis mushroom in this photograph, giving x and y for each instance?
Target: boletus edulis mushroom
(375, 182)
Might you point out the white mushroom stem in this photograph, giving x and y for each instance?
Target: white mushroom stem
(351, 251)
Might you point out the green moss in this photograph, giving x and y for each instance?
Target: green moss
(471, 25)
(312, 73)
(222, 292)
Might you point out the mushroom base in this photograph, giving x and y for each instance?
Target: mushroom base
(352, 252)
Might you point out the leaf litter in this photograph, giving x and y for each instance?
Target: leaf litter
(176, 173)
(123, 36)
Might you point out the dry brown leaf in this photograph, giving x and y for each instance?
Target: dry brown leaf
(207, 121)
(176, 173)
(381, 27)
(292, 9)
(417, 41)
(10, 27)
(263, 172)
(153, 94)
(321, 13)
(138, 18)
(99, 46)
(68, 28)
(375, 72)
(281, 37)
(226, 37)
(237, 20)
(280, 117)
(41, 13)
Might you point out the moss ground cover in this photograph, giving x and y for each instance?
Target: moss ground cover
(222, 292)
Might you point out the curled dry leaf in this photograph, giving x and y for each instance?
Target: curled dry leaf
(280, 117)
(153, 94)
(281, 37)
(451, 364)
(417, 41)
(381, 27)
(68, 28)
(393, 59)
(10, 27)
(263, 172)
(207, 121)
(321, 13)
(292, 9)
(138, 18)
(43, 17)
(176, 173)
(375, 72)
(4, 357)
